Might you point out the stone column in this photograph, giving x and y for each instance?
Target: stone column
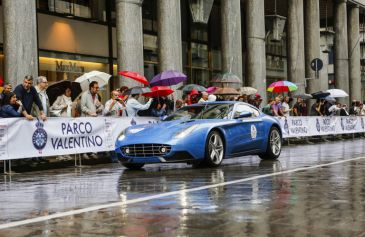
(129, 38)
(256, 52)
(341, 48)
(231, 37)
(354, 53)
(169, 36)
(312, 44)
(20, 40)
(296, 63)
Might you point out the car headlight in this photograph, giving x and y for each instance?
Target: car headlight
(183, 133)
(122, 135)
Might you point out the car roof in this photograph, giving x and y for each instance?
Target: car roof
(221, 102)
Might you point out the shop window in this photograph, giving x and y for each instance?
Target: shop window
(200, 76)
(93, 10)
(149, 14)
(199, 55)
(62, 66)
(216, 60)
(150, 48)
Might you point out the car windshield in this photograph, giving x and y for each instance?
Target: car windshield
(204, 111)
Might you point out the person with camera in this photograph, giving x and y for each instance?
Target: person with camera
(114, 106)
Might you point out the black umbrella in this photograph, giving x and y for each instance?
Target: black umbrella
(137, 90)
(320, 95)
(58, 88)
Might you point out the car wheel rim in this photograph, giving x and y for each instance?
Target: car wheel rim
(216, 149)
(275, 142)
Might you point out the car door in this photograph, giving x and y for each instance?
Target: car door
(248, 133)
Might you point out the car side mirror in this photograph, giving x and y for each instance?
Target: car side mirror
(244, 114)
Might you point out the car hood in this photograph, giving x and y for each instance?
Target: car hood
(169, 128)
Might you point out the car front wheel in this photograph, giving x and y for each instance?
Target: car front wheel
(214, 149)
(273, 145)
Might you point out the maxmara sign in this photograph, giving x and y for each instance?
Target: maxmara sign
(65, 66)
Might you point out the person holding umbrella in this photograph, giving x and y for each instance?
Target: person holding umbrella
(62, 107)
(133, 105)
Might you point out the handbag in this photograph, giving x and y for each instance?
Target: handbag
(55, 112)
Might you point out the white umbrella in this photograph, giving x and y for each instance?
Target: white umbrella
(101, 78)
(337, 93)
(248, 90)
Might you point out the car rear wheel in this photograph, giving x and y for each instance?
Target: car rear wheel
(214, 149)
(273, 145)
(133, 166)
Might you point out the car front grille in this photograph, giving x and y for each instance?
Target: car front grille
(145, 150)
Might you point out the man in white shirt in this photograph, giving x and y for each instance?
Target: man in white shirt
(133, 105)
(42, 84)
(90, 102)
(204, 98)
(113, 107)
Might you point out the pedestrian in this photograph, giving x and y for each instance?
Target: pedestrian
(9, 107)
(297, 108)
(133, 105)
(158, 109)
(276, 107)
(42, 84)
(62, 107)
(90, 101)
(343, 111)
(212, 98)
(285, 106)
(204, 97)
(28, 95)
(115, 106)
(267, 109)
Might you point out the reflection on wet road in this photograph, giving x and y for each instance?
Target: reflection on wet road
(324, 201)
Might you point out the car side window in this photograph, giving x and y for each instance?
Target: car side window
(245, 108)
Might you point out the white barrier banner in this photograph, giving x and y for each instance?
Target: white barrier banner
(60, 136)
(20, 138)
(317, 126)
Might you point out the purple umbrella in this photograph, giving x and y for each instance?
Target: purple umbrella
(168, 78)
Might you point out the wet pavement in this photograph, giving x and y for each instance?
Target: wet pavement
(243, 199)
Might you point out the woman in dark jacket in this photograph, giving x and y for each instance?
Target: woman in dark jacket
(8, 109)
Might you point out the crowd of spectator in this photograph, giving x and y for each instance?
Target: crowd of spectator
(284, 106)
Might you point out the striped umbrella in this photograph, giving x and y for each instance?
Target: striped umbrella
(282, 86)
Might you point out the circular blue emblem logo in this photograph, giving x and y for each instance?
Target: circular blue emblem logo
(39, 138)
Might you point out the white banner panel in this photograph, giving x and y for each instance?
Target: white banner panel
(317, 126)
(60, 136)
(20, 138)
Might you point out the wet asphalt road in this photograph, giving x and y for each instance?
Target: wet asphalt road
(161, 200)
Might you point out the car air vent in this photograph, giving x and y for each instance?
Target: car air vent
(145, 150)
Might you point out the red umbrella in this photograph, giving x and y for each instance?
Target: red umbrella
(135, 76)
(158, 91)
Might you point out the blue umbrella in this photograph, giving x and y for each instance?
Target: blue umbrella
(168, 78)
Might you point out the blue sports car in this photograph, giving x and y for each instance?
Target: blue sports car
(202, 135)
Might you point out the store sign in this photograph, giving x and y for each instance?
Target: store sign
(64, 66)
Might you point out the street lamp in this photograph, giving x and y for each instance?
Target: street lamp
(200, 10)
(327, 35)
(362, 45)
(275, 24)
(327, 39)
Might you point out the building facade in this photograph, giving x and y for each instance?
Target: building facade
(261, 41)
